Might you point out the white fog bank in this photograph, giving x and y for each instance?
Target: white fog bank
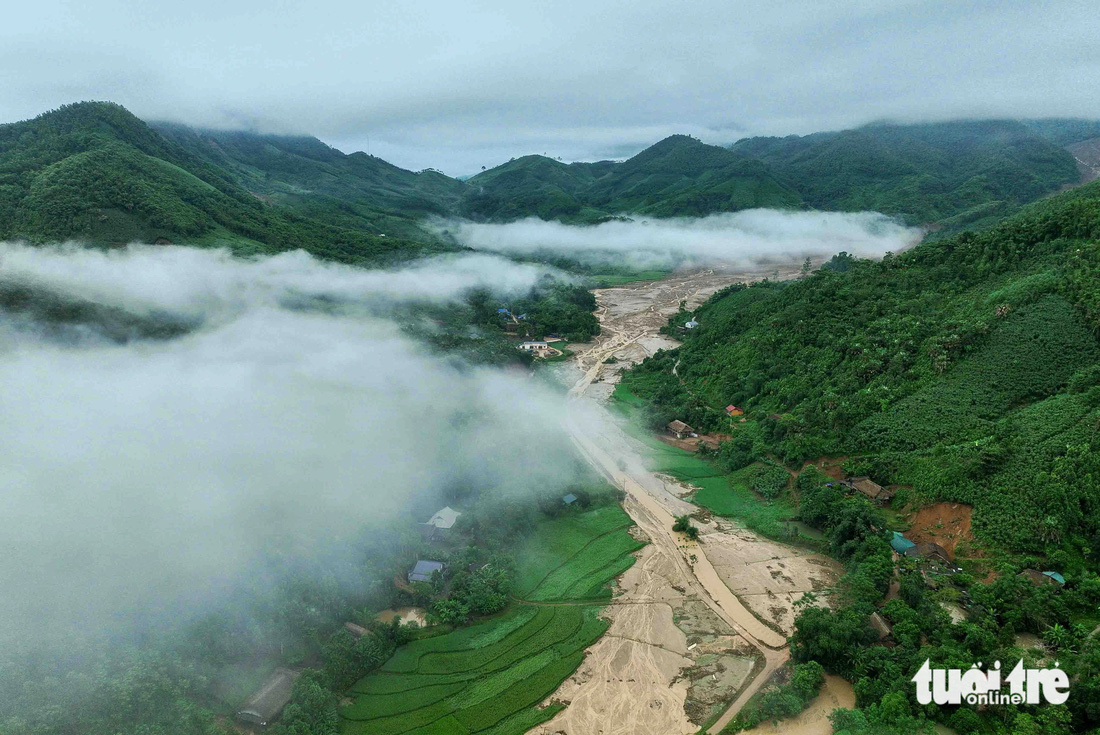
(740, 238)
(141, 476)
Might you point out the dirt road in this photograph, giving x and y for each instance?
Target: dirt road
(656, 699)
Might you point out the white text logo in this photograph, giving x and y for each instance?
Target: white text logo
(974, 686)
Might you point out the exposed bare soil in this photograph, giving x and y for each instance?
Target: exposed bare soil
(946, 524)
(700, 626)
(1087, 155)
(631, 315)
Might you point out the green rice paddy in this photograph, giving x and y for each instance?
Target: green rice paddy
(489, 677)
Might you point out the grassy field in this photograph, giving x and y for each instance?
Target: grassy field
(724, 494)
(609, 280)
(489, 677)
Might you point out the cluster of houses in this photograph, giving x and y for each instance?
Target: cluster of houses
(436, 528)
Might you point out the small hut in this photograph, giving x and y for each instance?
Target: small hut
(422, 571)
(900, 544)
(869, 489)
(934, 553)
(356, 630)
(265, 706)
(881, 626)
(680, 430)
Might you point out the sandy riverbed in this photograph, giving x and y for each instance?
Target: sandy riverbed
(699, 626)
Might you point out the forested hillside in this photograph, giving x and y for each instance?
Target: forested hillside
(678, 176)
(947, 174)
(953, 173)
(94, 171)
(303, 174)
(968, 368)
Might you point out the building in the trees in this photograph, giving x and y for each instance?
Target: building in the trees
(900, 544)
(439, 524)
(870, 489)
(265, 706)
(680, 430)
(1038, 578)
(569, 499)
(881, 627)
(933, 553)
(422, 571)
(356, 630)
(691, 324)
(535, 346)
(733, 411)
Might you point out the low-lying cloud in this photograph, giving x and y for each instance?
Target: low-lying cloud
(750, 237)
(141, 475)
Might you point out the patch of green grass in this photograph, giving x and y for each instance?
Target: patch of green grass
(610, 280)
(728, 495)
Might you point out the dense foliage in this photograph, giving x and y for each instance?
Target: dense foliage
(966, 367)
(954, 173)
(842, 640)
(780, 702)
(94, 171)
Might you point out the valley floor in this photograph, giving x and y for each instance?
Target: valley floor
(699, 624)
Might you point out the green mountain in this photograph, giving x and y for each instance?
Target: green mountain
(952, 174)
(305, 175)
(968, 368)
(95, 172)
(678, 176)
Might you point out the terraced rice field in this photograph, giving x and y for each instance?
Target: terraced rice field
(489, 677)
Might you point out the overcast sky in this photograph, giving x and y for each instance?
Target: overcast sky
(460, 85)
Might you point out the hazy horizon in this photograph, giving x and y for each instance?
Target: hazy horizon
(457, 87)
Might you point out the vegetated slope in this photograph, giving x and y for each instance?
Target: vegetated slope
(93, 171)
(967, 367)
(487, 678)
(1065, 131)
(679, 176)
(952, 173)
(303, 174)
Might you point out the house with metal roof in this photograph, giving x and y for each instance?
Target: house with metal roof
(900, 544)
(422, 571)
(444, 517)
(569, 499)
(265, 706)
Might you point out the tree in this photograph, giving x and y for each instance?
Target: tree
(683, 525)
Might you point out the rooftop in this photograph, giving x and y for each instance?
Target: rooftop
(265, 705)
(444, 517)
(423, 570)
